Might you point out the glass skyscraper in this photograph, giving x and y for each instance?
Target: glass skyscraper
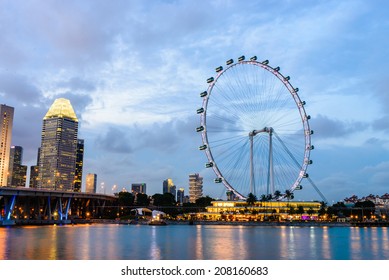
(58, 147)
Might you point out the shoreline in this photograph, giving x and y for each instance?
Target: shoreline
(18, 223)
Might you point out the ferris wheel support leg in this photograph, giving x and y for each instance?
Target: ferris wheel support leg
(251, 165)
(270, 182)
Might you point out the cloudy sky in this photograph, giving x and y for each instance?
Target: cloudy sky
(133, 71)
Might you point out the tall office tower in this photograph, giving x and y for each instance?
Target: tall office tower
(6, 115)
(91, 182)
(79, 165)
(34, 176)
(58, 147)
(138, 188)
(169, 187)
(34, 172)
(180, 196)
(195, 187)
(17, 173)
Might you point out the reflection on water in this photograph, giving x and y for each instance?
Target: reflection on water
(112, 242)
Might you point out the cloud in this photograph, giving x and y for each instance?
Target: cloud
(77, 84)
(115, 140)
(331, 128)
(18, 88)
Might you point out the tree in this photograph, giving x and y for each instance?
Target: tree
(204, 201)
(323, 208)
(289, 195)
(166, 199)
(125, 199)
(277, 194)
(251, 199)
(142, 199)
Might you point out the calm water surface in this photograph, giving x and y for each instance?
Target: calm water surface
(185, 242)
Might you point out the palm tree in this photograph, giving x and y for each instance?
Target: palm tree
(277, 195)
(289, 195)
(251, 199)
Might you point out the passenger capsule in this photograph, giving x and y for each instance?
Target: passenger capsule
(299, 187)
(311, 132)
(312, 147)
(202, 147)
(230, 61)
(308, 117)
(309, 161)
(203, 94)
(277, 68)
(303, 103)
(305, 175)
(200, 128)
(296, 90)
(287, 78)
(265, 62)
(210, 80)
(218, 180)
(254, 58)
(218, 69)
(241, 58)
(200, 111)
(209, 164)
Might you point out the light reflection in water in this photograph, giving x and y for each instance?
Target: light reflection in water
(326, 249)
(193, 242)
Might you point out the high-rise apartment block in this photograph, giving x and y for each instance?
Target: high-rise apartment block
(6, 118)
(17, 172)
(195, 187)
(58, 147)
(91, 183)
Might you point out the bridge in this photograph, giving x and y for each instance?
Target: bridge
(39, 206)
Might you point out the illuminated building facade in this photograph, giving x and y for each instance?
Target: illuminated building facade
(58, 147)
(195, 187)
(6, 115)
(91, 183)
(79, 165)
(263, 211)
(169, 187)
(17, 172)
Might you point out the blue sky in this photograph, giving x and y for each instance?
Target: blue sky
(133, 71)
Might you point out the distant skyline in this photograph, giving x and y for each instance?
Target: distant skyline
(133, 71)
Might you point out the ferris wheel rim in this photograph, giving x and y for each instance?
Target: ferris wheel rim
(299, 104)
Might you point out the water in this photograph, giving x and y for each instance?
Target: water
(185, 242)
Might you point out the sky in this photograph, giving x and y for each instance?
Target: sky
(133, 71)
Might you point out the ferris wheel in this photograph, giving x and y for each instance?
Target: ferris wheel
(255, 130)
